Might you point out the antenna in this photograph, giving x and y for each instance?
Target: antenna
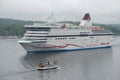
(50, 18)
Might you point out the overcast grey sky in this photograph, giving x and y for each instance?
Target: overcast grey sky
(101, 11)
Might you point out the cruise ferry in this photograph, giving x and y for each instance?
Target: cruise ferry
(63, 37)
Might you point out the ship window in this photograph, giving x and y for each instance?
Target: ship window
(92, 37)
(72, 38)
(60, 38)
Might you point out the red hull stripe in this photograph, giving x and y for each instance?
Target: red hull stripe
(54, 46)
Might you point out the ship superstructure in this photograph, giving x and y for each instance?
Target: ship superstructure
(53, 37)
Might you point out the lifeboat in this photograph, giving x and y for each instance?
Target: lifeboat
(98, 28)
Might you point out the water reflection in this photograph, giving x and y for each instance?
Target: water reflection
(85, 65)
(32, 60)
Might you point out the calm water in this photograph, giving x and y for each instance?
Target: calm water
(96, 64)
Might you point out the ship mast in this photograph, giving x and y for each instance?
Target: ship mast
(50, 19)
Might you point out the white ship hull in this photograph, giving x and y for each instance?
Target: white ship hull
(38, 49)
(81, 44)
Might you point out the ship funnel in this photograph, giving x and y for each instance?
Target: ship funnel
(87, 17)
(85, 23)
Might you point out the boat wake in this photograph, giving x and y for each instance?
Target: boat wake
(19, 72)
(25, 71)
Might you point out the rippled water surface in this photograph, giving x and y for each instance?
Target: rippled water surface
(95, 64)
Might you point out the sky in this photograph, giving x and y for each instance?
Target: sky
(101, 11)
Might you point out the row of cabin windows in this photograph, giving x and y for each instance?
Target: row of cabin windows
(64, 38)
(69, 38)
(37, 33)
(35, 39)
(84, 32)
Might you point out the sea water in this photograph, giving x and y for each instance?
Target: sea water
(94, 64)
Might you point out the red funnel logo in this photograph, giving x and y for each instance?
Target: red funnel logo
(87, 17)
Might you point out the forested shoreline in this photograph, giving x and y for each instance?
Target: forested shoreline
(11, 27)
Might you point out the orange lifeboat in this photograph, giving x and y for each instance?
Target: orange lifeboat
(98, 28)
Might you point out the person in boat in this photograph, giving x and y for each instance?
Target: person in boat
(48, 63)
(52, 63)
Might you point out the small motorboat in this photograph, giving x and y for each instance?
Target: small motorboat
(48, 66)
